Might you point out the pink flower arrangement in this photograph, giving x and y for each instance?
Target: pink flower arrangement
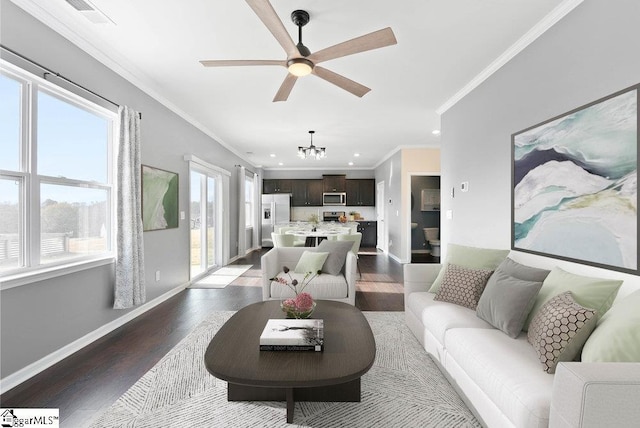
(308, 277)
(302, 304)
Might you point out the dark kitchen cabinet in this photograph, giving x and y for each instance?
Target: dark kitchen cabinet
(276, 186)
(306, 193)
(334, 183)
(369, 230)
(361, 192)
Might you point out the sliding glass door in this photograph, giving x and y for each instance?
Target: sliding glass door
(206, 216)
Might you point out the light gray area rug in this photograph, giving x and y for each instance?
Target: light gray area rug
(404, 388)
(222, 277)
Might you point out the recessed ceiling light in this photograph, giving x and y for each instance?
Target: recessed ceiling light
(273, 155)
(436, 132)
(356, 154)
(280, 163)
(350, 163)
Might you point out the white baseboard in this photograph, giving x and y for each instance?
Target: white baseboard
(398, 259)
(47, 361)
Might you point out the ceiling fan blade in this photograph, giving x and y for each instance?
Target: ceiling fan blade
(375, 40)
(240, 62)
(342, 82)
(285, 88)
(270, 19)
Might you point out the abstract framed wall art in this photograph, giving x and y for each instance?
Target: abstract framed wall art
(574, 185)
(159, 199)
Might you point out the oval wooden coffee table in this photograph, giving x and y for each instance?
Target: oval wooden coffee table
(331, 375)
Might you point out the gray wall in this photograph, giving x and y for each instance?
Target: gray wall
(390, 171)
(590, 53)
(42, 317)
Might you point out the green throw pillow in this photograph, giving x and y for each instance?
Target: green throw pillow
(594, 293)
(469, 257)
(617, 335)
(310, 261)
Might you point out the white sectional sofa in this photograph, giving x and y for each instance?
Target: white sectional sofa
(502, 378)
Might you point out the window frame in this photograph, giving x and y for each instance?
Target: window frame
(31, 268)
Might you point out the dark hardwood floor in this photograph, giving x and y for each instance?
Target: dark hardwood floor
(85, 384)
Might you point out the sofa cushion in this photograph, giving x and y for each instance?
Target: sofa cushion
(617, 334)
(462, 286)
(506, 370)
(323, 286)
(469, 257)
(311, 261)
(594, 293)
(337, 255)
(560, 329)
(524, 272)
(506, 302)
(439, 317)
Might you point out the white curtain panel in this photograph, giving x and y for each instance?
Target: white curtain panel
(130, 286)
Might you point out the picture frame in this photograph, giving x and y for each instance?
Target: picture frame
(160, 201)
(574, 184)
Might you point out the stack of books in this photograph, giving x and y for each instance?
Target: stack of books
(293, 335)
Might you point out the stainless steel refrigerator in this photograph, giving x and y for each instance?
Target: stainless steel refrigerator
(276, 209)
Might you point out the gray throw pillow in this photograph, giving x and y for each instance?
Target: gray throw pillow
(507, 301)
(337, 255)
(520, 271)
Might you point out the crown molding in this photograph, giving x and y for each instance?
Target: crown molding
(540, 28)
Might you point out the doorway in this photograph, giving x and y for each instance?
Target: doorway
(205, 221)
(382, 230)
(425, 214)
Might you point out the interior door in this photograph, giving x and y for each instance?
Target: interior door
(382, 227)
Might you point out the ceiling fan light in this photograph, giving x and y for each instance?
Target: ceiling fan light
(299, 66)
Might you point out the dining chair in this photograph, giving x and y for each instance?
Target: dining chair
(282, 240)
(297, 241)
(356, 238)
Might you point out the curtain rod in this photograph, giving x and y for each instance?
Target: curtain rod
(48, 71)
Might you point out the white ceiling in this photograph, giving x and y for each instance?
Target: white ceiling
(445, 47)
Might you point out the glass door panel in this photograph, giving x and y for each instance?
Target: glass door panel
(211, 222)
(206, 215)
(195, 208)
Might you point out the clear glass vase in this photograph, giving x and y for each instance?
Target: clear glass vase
(294, 312)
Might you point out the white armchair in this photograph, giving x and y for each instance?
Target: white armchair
(341, 287)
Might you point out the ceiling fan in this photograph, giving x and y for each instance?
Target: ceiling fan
(300, 61)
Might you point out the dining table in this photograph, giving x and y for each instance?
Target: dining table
(314, 237)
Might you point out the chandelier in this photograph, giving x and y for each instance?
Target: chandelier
(311, 151)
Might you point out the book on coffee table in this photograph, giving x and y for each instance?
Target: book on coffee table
(293, 335)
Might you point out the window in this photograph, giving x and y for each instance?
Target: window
(248, 201)
(55, 175)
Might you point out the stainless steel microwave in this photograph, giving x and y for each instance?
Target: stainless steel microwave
(338, 198)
